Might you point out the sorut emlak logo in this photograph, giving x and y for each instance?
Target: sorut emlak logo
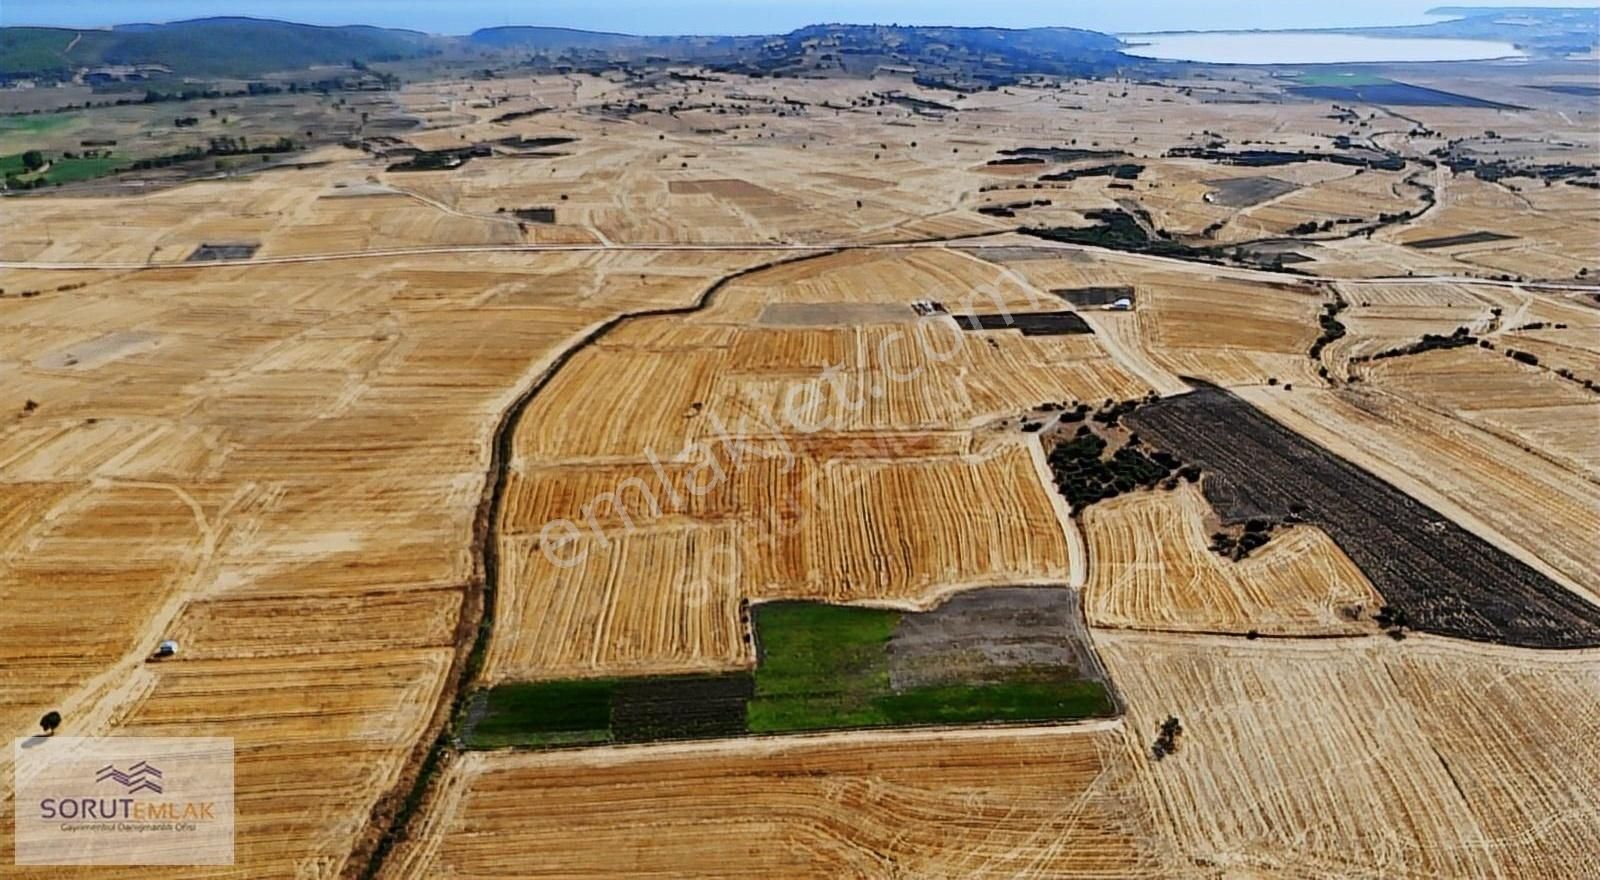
(124, 801)
(140, 777)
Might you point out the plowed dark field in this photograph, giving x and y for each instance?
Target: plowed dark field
(1447, 580)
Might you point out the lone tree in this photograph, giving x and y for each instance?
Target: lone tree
(1167, 738)
(33, 160)
(50, 722)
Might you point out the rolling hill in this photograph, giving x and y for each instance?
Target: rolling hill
(248, 47)
(216, 47)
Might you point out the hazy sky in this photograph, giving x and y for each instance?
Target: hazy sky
(744, 16)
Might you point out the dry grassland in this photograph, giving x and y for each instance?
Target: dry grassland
(1553, 235)
(1576, 350)
(279, 466)
(1225, 331)
(1150, 567)
(286, 212)
(1364, 757)
(1524, 405)
(1024, 804)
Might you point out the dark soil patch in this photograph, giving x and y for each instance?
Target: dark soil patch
(610, 710)
(536, 215)
(1565, 89)
(1121, 171)
(207, 253)
(920, 105)
(680, 707)
(1445, 241)
(1096, 296)
(1397, 94)
(1242, 192)
(520, 114)
(991, 636)
(1060, 154)
(1030, 323)
(517, 142)
(1447, 580)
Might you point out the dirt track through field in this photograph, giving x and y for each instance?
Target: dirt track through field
(395, 809)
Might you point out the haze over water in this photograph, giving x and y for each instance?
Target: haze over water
(1279, 48)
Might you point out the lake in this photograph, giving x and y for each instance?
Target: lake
(1308, 48)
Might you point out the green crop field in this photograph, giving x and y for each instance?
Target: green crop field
(549, 712)
(822, 667)
(1340, 78)
(827, 666)
(69, 170)
(34, 123)
(62, 170)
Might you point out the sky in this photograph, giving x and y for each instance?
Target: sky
(747, 16)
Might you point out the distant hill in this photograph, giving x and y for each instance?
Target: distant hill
(620, 46)
(1548, 31)
(956, 54)
(249, 47)
(213, 47)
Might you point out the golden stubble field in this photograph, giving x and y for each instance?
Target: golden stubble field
(639, 514)
(283, 466)
(1336, 758)
(279, 467)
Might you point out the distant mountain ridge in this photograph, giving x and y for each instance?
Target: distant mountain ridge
(239, 47)
(219, 47)
(977, 56)
(248, 47)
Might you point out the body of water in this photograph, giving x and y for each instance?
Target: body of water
(1308, 48)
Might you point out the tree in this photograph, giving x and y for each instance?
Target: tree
(1167, 737)
(50, 722)
(33, 160)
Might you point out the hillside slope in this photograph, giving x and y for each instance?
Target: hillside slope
(204, 47)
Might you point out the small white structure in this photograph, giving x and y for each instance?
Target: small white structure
(1121, 304)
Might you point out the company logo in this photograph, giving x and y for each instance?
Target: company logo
(142, 776)
(123, 800)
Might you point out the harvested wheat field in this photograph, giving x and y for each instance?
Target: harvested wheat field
(1529, 406)
(798, 461)
(645, 572)
(928, 805)
(1362, 757)
(701, 399)
(253, 479)
(1150, 568)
